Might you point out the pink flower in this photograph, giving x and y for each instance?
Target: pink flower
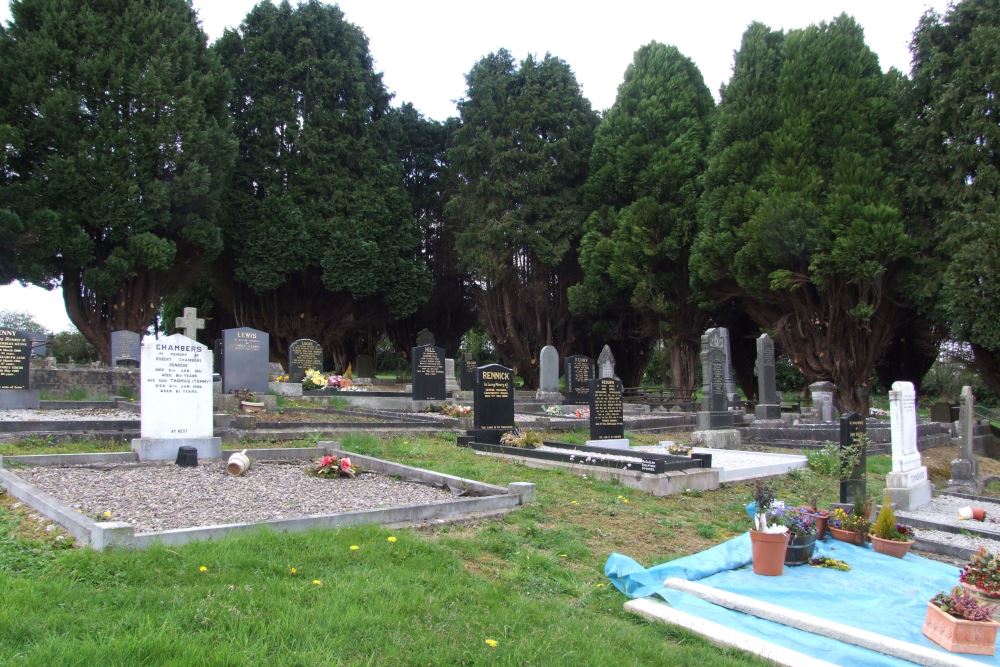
(327, 460)
(345, 464)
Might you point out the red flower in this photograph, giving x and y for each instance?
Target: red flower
(345, 464)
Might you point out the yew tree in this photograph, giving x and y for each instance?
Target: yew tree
(646, 175)
(954, 189)
(520, 157)
(320, 239)
(800, 220)
(116, 142)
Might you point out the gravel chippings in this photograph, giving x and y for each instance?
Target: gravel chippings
(155, 497)
(943, 509)
(75, 414)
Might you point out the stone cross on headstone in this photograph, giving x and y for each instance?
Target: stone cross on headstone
(907, 485)
(606, 363)
(190, 323)
(767, 391)
(964, 469)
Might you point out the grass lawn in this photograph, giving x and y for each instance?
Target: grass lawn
(532, 582)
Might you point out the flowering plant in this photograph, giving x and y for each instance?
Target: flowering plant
(856, 521)
(962, 604)
(313, 379)
(338, 382)
(983, 572)
(582, 413)
(800, 521)
(763, 507)
(331, 466)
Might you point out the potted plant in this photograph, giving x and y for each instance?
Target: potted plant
(887, 536)
(812, 486)
(851, 527)
(801, 526)
(960, 623)
(982, 574)
(248, 401)
(768, 541)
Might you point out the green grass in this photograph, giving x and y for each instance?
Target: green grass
(533, 581)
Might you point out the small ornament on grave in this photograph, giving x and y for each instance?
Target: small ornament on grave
(331, 466)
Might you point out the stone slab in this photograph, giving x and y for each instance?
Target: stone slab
(738, 465)
(767, 412)
(911, 497)
(285, 388)
(715, 420)
(165, 449)
(20, 399)
(616, 443)
(725, 438)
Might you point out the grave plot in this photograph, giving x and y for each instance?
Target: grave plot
(102, 423)
(114, 500)
(329, 422)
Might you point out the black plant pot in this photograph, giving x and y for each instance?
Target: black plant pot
(800, 550)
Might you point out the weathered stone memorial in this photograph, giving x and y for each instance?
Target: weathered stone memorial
(822, 398)
(768, 407)
(714, 412)
(304, 354)
(728, 372)
(176, 394)
(907, 484)
(579, 373)
(125, 348)
(244, 360)
(15, 364)
(607, 418)
(965, 469)
(606, 363)
(468, 375)
(428, 373)
(190, 323)
(852, 483)
(548, 375)
(493, 403)
(450, 381)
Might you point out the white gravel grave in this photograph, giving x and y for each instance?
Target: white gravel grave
(75, 414)
(156, 497)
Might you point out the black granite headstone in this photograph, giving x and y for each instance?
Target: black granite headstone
(852, 482)
(607, 419)
(467, 376)
(217, 356)
(303, 355)
(579, 373)
(364, 366)
(15, 358)
(493, 400)
(428, 373)
(425, 337)
(244, 360)
(125, 348)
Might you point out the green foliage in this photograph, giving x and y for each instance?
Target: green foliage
(72, 346)
(885, 523)
(824, 461)
(10, 319)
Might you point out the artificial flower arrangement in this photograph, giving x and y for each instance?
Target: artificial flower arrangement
(453, 410)
(331, 466)
(766, 509)
(313, 379)
(983, 572)
(527, 439)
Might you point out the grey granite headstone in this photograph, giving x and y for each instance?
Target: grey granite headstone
(606, 363)
(714, 412)
(275, 370)
(125, 348)
(965, 469)
(767, 390)
(730, 375)
(364, 366)
(15, 364)
(190, 323)
(425, 337)
(450, 381)
(822, 398)
(548, 382)
(304, 354)
(244, 360)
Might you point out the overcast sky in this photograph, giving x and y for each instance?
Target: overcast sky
(425, 48)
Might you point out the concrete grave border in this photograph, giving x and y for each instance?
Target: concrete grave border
(473, 500)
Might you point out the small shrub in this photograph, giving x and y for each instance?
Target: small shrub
(962, 604)
(825, 461)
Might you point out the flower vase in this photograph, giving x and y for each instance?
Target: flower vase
(768, 552)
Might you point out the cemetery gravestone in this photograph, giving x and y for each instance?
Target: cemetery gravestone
(304, 354)
(190, 323)
(450, 381)
(425, 337)
(244, 360)
(176, 399)
(364, 366)
(39, 345)
(548, 371)
(217, 356)
(907, 485)
(579, 373)
(852, 483)
(468, 378)
(606, 363)
(822, 398)
(125, 348)
(15, 364)
(428, 373)
(493, 403)
(729, 373)
(715, 404)
(607, 418)
(965, 468)
(767, 391)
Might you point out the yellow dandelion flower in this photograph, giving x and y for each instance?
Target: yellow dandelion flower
(317, 582)
(202, 568)
(572, 502)
(107, 514)
(492, 643)
(391, 539)
(354, 547)
(625, 500)
(293, 571)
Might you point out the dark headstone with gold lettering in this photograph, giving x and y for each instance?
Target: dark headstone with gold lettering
(304, 354)
(493, 402)
(15, 360)
(607, 419)
(579, 373)
(244, 360)
(428, 373)
(467, 376)
(853, 486)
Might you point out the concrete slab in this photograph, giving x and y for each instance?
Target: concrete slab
(737, 466)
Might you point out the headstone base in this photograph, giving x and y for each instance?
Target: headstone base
(549, 396)
(767, 411)
(451, 385)
(722, 438)
(284, 388)
(614, 443)
(165, 449)
(714, 420)
(963, 472)
(486, 436)
(19, 399)
(912, 497)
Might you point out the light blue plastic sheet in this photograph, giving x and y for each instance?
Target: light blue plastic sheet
(881, 594)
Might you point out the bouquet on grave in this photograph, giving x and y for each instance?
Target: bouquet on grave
(983, 572)
(338, 382)
(331, 466)
(313, 379)
(453, 410)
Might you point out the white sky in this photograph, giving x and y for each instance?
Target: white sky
(425, 48)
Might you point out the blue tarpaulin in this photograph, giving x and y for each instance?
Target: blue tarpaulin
(880, 593)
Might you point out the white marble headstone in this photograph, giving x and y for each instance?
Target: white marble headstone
(907, 485)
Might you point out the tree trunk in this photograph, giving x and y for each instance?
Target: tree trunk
(683, 365)
(912, 352)
(987, 363)
(133, 307)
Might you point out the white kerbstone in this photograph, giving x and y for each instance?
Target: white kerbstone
(614, 443)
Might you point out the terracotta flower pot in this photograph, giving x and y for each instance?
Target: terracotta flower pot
(846, 535)
(894, 548)
(768, 552)
(820, 517)
(251, 406)
(800, 549)
(959, 635)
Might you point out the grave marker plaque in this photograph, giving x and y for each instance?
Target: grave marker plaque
(607, 418)
(493, 400)
(125, 348)
(15, 353)
(428, 373)
(364, 366)
(468, 375)
(852, 482)
(579, 373)
(244, 360)
(304, 354)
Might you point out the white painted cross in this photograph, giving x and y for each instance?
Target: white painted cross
(190, 323)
